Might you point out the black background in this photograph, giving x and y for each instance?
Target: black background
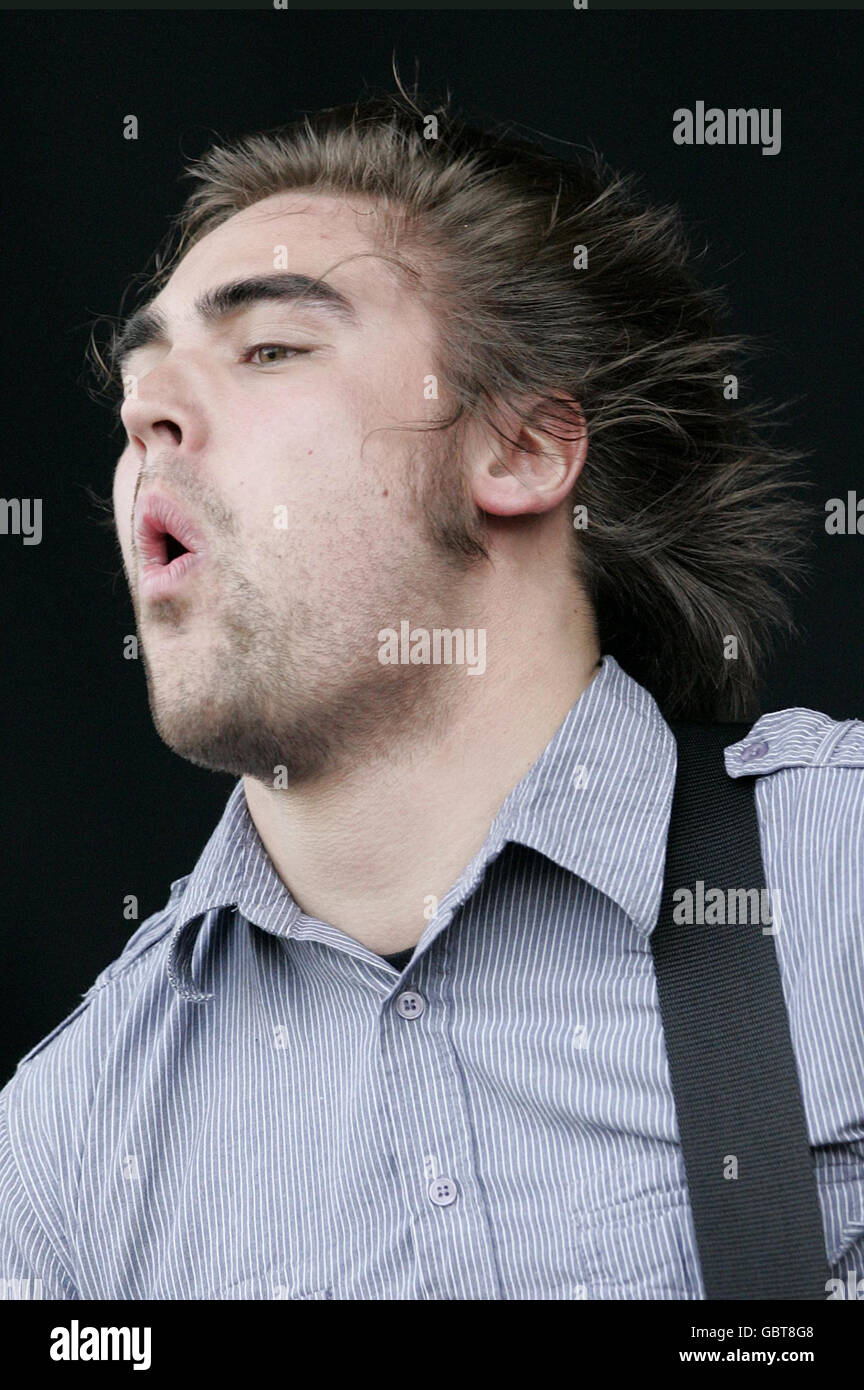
(95, 807)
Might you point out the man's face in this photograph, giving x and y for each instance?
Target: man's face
(310, 539)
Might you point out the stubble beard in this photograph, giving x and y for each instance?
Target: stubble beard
(280, 702)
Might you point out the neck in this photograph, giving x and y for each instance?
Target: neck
(365, 849)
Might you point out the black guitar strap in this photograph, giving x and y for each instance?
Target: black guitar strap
(737, 1094)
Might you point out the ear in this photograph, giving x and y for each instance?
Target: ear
(537, 471)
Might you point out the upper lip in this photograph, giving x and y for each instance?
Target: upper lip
(158, 516)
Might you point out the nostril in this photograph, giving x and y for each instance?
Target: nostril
(172, 429)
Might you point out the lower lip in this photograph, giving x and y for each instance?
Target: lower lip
(163, 581)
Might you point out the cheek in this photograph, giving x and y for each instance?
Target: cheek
(301, 491)
(321, 485)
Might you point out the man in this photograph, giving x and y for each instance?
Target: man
(422, 428)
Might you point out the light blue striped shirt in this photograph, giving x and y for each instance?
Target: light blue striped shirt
(250, 1104)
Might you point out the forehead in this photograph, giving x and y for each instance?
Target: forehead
(299, 231)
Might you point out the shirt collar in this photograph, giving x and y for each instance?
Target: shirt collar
(596, 801)
(234, 871)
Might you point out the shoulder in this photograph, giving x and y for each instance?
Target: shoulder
(46, 1106)
(809, 771)
(113, 985)
(809, 791)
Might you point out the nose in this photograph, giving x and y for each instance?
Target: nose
(157, 414)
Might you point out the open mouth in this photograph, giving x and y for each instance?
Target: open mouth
(163, 534)
(168, 545)
(172, 547)
(160, 548)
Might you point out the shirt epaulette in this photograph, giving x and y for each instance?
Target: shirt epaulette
(790, 738)
(49, 1037)
(150, 931)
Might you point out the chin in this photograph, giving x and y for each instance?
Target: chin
(220, 740)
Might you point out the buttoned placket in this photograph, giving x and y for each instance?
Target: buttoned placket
(433, 1141)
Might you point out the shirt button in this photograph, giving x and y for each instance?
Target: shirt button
(754, 750)
(409, 1004)
(443, 1191)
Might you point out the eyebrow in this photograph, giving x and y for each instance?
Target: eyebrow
(148, 325)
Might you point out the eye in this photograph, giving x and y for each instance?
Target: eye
(251, 352)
